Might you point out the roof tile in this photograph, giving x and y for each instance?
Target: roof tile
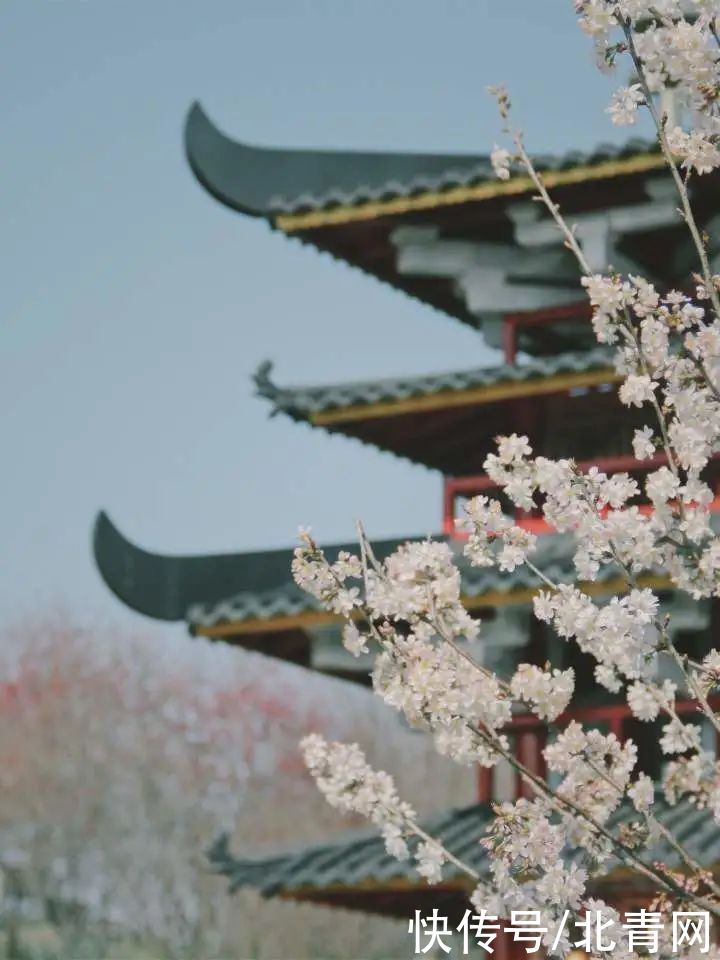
(361, 857)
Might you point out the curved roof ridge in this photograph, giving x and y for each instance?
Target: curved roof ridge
(166, 586)
(262, 180)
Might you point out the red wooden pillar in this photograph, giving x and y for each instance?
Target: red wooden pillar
(529, 746)
(616, 722)
(503, 945)
(448, 507)
(485, 784)
(509, 339)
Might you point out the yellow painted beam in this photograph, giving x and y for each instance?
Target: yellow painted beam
(473, 396)
(492, 598)
(371, 210)
(234, 628)
(500, 598)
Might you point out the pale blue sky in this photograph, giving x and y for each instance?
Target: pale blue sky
(134, 307)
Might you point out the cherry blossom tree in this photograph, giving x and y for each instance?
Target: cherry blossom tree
(666, 348)
(124, 755)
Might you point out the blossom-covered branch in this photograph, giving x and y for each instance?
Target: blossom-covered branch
(429, 665)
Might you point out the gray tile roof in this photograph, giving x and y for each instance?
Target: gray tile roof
(283, 599)
(361, 858)
(302, 402)
(203, 591)
(264, 182)
(554, 558)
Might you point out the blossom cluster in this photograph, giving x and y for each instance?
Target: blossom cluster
(675, 45)
(527, 840)
(349, 783)
(696, 776)
(412, 610)
(620, 635)
(668, 353)
(548, 692)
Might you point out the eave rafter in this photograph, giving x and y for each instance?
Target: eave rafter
(535, 270)
(517, 186)
(462, 398)
(352, 203)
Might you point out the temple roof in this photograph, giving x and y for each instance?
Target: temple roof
(169, 587)
(428, 419)
(482, 587)
(355, 870)
(445, 230)
(442, 227)
(250, 593)
(268, 181)
(349, 399)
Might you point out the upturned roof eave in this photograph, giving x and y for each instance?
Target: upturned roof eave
(272, 181)
(339, 404)
(303, 189)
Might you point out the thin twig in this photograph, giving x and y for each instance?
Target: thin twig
(554, 210)
(473, 874)
(693, 686)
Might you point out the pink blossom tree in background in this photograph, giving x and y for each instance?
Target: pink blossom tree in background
(666, 347)
(123, 756)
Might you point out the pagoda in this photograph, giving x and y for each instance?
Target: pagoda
(442, 229)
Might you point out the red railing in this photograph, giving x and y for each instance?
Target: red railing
(455, 487)
(528, 737)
